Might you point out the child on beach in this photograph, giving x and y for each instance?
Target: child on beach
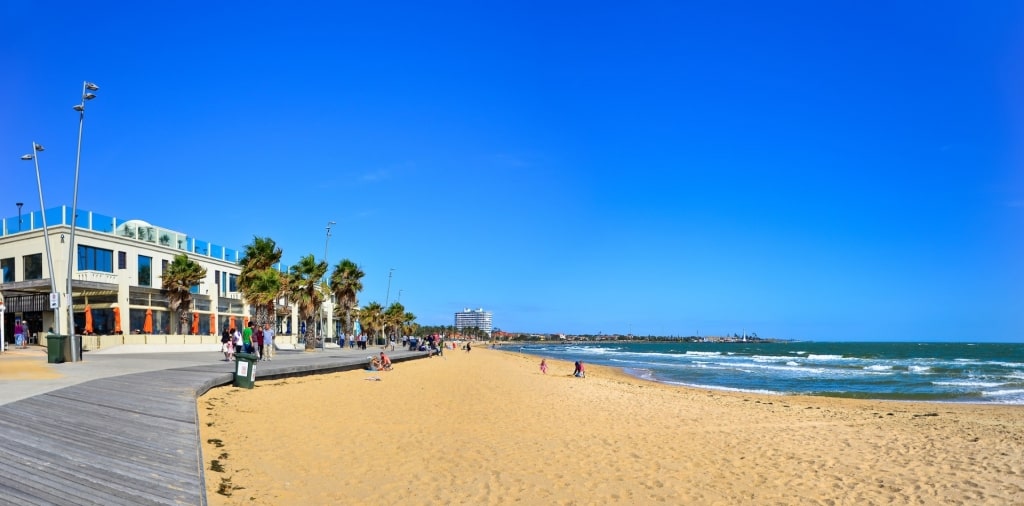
(543, 366)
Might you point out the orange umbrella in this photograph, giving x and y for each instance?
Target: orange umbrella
(195, 323)
(88, 319)
(148, 326)
(233, 322)
(213, 324)
(117, 320)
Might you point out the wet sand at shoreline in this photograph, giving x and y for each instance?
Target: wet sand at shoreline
(487, 427)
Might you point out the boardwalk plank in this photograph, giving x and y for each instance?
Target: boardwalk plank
(125, 440)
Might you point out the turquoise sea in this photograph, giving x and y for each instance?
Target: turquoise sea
(936, 372)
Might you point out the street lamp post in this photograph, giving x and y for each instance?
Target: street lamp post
(34, 156)
(87, 89)
(387, 297)
(19, 204)
(323, 318)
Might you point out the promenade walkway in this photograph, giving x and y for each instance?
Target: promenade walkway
(121, 428)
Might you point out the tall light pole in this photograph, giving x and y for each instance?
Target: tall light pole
(327, 331)
(19, 204)
(387, 297)
(399, 299)
(36, 149)
(87, 89)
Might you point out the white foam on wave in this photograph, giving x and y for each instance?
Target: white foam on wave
(975, 384)
(812, 356)
(1003, 393)
(793, 364)
(877, 367)
(646, 374)
(788, 368)
(768, 358)
(725, 389)
(703, 353)
(918, 368)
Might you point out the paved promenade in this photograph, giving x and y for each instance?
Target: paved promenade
(121, 428)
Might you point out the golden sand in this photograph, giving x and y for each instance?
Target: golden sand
(487, 427)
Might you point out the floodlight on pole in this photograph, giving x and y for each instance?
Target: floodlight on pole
(36, 148)
(86, 88)
(327, 330)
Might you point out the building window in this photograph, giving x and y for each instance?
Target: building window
(33, 266)
(7, 265)
(145, 271)
(122, 260)
(232, 282)
(95, 259)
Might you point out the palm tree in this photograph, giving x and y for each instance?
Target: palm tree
(181, 275)
(409, 327)
(255, 280)
(346, 283)
(394, 317)
(372, 318)
(304, 292)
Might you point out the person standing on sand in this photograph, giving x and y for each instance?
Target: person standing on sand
(543, 366)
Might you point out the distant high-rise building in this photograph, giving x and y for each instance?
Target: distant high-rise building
(470, 318)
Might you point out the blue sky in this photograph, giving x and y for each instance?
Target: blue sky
(803, 170)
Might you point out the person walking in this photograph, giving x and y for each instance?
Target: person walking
(19, 334)
(268, 341)
(257, 341)
(247, 339)
(236, 342)
(543, 366)
(226, 344)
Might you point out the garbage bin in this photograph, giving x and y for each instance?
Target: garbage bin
(245, 369)
(55, 349)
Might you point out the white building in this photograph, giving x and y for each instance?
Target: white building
(473, 318)
(116, 274)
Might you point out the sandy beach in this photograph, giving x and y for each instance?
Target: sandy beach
(487, 427)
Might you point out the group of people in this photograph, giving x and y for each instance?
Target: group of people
(382, 363)
(579, 371)
(252, 339)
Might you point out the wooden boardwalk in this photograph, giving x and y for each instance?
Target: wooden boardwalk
(131, 439)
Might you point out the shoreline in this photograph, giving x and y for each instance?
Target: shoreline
(948, 373)
(489, 428)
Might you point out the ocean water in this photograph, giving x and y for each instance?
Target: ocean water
(936, 372)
